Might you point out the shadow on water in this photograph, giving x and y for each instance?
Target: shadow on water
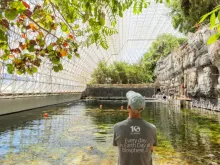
(81, 133)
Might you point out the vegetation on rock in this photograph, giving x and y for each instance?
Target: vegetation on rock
(163, 46)
(214, 23)
(186, 13)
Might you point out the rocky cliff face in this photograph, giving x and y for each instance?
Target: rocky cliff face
(195, 64)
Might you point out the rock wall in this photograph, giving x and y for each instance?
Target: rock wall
(117, 91)
(193, 69)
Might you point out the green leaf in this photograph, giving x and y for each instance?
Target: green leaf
(36, 13)
(85, 17)
(64, 27)
(50, 47)
(29, 56)
(46, 2)
(109, 31)
(3, 45)
(10, 68)
(207, 14)
(41, 43)
(138, 6)
(19, 72)
(5, 57)
(219, 16)
(55, 60)
(91, 21)
(75, 27)
(146, 4)
(31, 48)
(204, 17)
(18, 5)
(212, 20)
(88, 7)
(113, 23)
(29, 71)
(120, 13)
(168, 1)
(69, 56)
(135, 8)
(96, 11)
(34, 69)
(42, 52)
(6, 51)
(213, 38)
(102, 19)
(56, 68)
(11, 14)
(60, 66)
(77, 55)
(59, 40)
(52, 53)
(49, 18)
(3, 36)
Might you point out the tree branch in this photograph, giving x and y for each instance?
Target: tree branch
(54, 6)
(42, 27)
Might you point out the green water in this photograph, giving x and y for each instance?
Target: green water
(81, 134)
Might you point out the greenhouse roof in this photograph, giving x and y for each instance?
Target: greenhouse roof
(135, 35)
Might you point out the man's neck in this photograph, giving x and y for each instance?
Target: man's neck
(134, 115)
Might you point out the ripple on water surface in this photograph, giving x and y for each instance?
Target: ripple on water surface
(80, 134)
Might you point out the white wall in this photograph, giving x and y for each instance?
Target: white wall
(20, 104)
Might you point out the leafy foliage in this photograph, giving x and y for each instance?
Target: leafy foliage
(214, 23)
(163, 46)
(119, 72)
(186, 13)
(31, 31)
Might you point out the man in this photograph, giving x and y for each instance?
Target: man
(134, 136)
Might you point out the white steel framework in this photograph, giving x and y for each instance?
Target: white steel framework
(135, 35)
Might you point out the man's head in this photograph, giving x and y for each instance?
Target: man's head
(136, 102)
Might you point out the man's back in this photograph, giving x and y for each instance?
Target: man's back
(134, 138)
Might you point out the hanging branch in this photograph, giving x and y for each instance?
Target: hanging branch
(54, 6)
(26, 58)
(48, 32)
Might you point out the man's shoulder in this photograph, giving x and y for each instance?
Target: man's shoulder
(121, 123)
(152, 126)
(125, 122)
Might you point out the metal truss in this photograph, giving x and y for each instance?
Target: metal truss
(136, 34)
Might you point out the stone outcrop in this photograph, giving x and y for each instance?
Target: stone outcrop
(193, 68)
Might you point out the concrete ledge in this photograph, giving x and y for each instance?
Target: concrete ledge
(121, 85)
(13, 105)
(114, 98)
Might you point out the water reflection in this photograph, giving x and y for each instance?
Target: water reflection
(81, 133)
(192, 133)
